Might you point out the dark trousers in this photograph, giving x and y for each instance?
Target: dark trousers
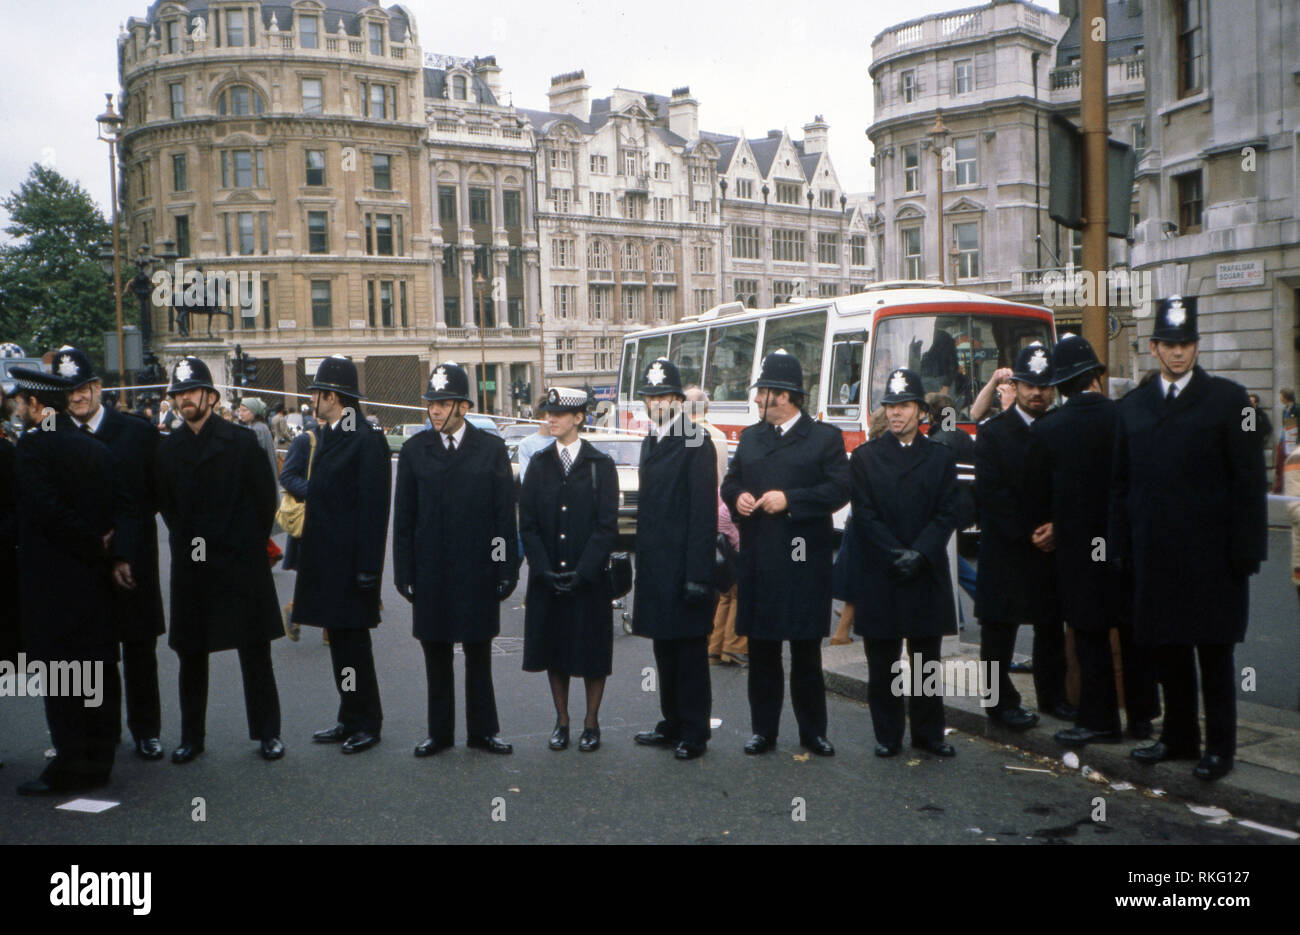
(887, 707)
(359, 707)
(685, 695)
(480, 699)
(140, 687)
(261, 699)
(1176, 666)
(767, 687)
(998, 642)
(85, 738)
(1098, 697)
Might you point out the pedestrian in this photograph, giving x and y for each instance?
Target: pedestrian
(294, 475)
(697, 409)
(280, 431)
(218, 501)
(66, 505)
(1017, 573)
(676, 532)
(455, 556)
(844, 575)
(905, 509)
(568, 518)
(990, 394)
(341, 553)
(136, 607)
(10, 622)
(1069, 457)
(167, 417)
(787, 479)
(531, 445)
(943, 429)
(1291, 473)
(252, 415)
(1189, 513)
(726, 647)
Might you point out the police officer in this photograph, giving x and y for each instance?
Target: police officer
(788, 477)
(67, 501)
(1189, 514)
(341, 553)
(218, 500)
(906, 507)
(677, 523)
(137, 599)
(455, 556)
(568, 520)
(1017, 574)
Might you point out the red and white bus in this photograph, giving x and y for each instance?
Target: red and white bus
(953, 339)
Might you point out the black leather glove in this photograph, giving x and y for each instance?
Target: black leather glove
(506, 588)
(408, 592)
(561, 582)
(908, 564)
(367, 581)
(695, 594)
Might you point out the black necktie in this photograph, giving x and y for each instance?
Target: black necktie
(1173, 391)
(451, 444)
(85, 427)
(566, 460)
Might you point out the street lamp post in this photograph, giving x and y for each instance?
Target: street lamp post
(110, 126)
(480, 284)
(938, 135)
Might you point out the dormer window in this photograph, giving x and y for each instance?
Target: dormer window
(309, 32)
(459, 90)
(234, 27)
(376, 39)
(240, 101)
(173, 36)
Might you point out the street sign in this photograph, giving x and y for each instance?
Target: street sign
(134, 349)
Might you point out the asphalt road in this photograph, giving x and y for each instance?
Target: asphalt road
(619, 794)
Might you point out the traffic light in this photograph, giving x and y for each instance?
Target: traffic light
(248, 370)
(1065, 178)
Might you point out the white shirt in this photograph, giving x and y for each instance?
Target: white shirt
(95, 421)
(1181, 383)
(788, 424)
(459, 435)
(1029, 420)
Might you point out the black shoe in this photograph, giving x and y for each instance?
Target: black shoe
(336, 734)
(37, 786)
(1014, 719)
(186, 752)
(1141, 730)
(759, 744)
(428, 746)
(489, 744)
(936, 747)
(272, 749)
(560, 737)
(1158, 752)
(652, 738)
(589, 740)
(1213, 766)
(887, 749)
(149, 749)
(1064, 711)
(818, 745)
(686, 750)
(361, 740)
(1082, 736)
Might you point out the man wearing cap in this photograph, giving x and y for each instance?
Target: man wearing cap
(1017, 574)
(67, 502)
(218, 500)
(341, 554)
(137, 600)
(906, 507)
(787, 479)
(1069, 461)
(677, 523)
(455, 556)
(1189, 516)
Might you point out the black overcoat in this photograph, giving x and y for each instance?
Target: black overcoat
(786, 559)
(1016, 581)
(215, 487)
(134, 443)
(1070, 453)
(676, 531)
(1188, 509)
(569, 523)
(904, 498)
(10, 626)
(345, 529)
(454, 534)
(67, 500)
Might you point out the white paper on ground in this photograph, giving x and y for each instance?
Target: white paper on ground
(88, 805)
(1282, 832)
(715, 722)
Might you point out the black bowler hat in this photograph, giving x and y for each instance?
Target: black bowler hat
(448, 381)
(188, 374)
(1033, 366)
(781, 371)
(1176, 320)
(1073, 356)
(565, 399)
(337, 374)
(74, 366)
(660, 378)
(903, 386)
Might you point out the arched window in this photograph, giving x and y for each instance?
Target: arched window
(239, 100)
(458, 87)
(662, 259)
(632, 260)
(598, 255)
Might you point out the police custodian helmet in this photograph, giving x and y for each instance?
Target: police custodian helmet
(1176, 320)
(660, 379)
(781, 371)
(1073, 356)
(188, 374)
(337, 374)
(448, 381)
(903, 386)
(1033, 366)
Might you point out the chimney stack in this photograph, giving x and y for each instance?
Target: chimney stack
(814, 135)
(684, 114)
(569, 95)
(486, 67)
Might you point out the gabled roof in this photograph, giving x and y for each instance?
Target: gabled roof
(765, 150)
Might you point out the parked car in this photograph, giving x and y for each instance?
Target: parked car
(398, 434)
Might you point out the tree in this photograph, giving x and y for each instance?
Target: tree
(52, 289)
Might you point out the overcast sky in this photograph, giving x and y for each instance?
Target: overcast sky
(753, 67)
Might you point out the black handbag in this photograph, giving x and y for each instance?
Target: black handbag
(618, 567)
(725, 559)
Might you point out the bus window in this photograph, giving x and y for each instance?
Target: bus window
(803, 336)
(846, 375)
(731, 361)
(629, 375)
(651, 349)
(687, 352)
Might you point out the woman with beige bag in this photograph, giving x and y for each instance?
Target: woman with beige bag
(293, 478)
